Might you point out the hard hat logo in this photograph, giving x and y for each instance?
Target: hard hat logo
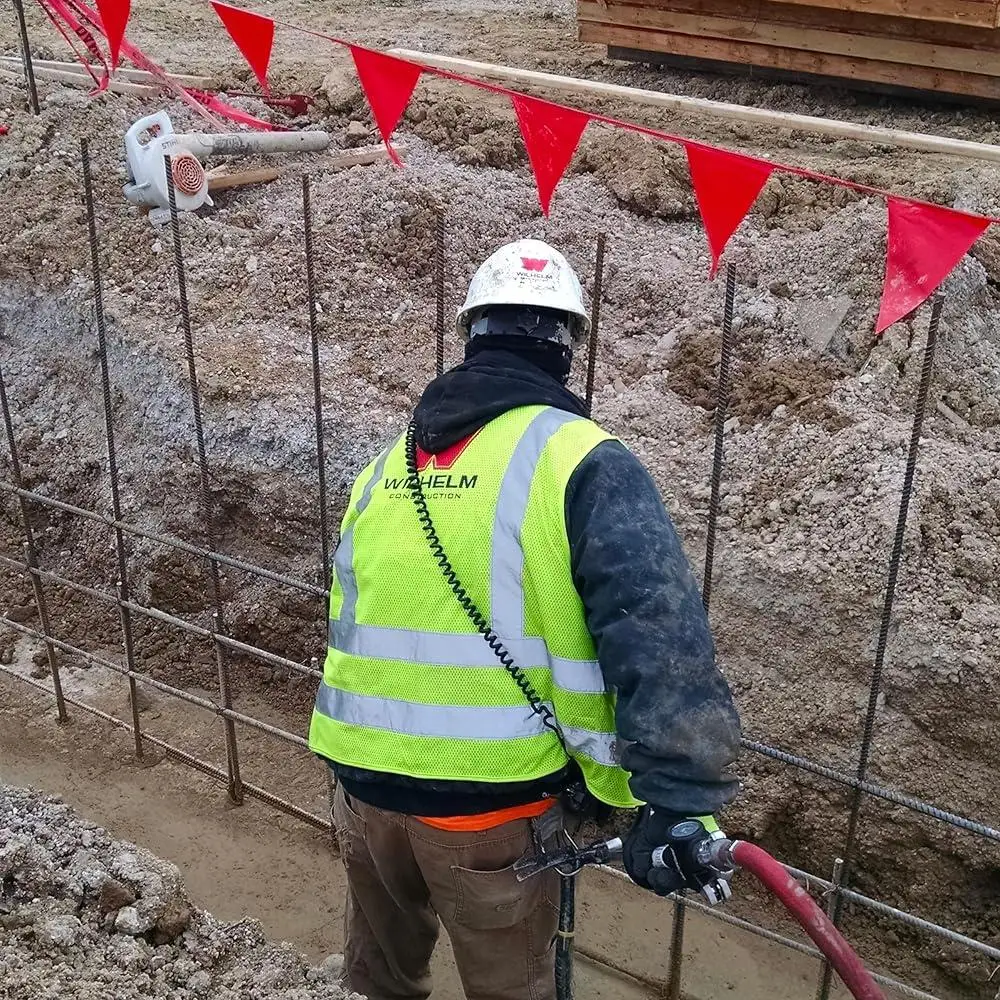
(527, 273)
(531, 264)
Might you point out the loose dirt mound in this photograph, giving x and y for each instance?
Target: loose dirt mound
(86, 916)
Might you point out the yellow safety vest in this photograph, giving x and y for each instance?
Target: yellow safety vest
(409, 686)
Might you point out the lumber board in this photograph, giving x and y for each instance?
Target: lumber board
(790, 13)
(762, 32)
(702, 106)
(225, 182)
(982, 13)
(121, 74)
(909, 76)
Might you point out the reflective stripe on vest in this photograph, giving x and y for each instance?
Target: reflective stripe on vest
(472, 723)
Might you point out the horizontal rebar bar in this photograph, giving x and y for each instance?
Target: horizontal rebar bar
(319, 823)
(163, 616)
(901, 915)
(186, 696)
(171, 751)
(168, 540)
(763, 932)
(877, 791)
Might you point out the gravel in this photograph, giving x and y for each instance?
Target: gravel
(88, 917)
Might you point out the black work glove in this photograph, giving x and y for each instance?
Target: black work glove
(661, 853)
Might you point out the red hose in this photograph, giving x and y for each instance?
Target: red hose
(814, 921)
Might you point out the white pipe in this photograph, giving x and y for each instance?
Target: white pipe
(715, 109)
(246, 143)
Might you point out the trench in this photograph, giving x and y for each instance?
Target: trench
(775, 622)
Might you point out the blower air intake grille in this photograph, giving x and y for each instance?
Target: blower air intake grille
(188, 173)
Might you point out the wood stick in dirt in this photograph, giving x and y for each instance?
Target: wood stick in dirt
(359, 157)
(81, 80)
(127, 75)
(223, 182)
(715, 109)
(220, 180)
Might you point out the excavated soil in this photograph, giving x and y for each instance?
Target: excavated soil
(815, 448)
(87, 916)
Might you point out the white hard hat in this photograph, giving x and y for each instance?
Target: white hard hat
(529, 273)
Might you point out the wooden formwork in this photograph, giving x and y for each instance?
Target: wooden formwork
(944, 46)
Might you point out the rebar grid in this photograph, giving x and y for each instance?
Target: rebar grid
(183, 756)
(204, 493)
(221, 642)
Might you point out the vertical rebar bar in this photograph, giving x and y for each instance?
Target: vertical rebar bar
(31, 554)
(207, 512)
(29, 68)
(324, 525)
(721, 411)
(673, 989)
(439, 291)
(895, 560)
(832, 903)
(595, 321)
(116, 506)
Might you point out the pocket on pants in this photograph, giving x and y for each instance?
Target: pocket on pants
(349, 824)
(492, 900)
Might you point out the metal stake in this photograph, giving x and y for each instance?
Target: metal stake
(895, 559)
(439, 291)
(225, 692)
(832, 904)
(721, 410)
(29, 68)
(116, 506)
(31, 554)
(595, 320)
(317, 389)
(673, 990)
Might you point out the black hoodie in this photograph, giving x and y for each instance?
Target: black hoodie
(643, 608)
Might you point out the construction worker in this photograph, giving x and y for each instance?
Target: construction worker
(511, 618)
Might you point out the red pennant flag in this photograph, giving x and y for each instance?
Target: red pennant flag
(388, 84)
(925, 244)
(725, 186)
(253, 35)
(551, 134)
(114, 19)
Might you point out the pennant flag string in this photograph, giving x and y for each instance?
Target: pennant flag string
(388, 84)
(114, 19)
(725, 186)
(551, 134)
(253, 35)
(925, 243)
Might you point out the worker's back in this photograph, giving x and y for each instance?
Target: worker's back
(411, 685)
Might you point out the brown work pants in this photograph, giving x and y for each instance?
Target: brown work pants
(403, 876)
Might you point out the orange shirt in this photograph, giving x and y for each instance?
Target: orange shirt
(488, 820)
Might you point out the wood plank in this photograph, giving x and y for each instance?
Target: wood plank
(788, 12)
(766, 117)
(762, 32)
(795, 60)
(224, 182)
(982, 13)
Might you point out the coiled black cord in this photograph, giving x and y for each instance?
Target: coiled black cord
(477, 618)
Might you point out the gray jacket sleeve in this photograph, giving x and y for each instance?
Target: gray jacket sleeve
(643, 607)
